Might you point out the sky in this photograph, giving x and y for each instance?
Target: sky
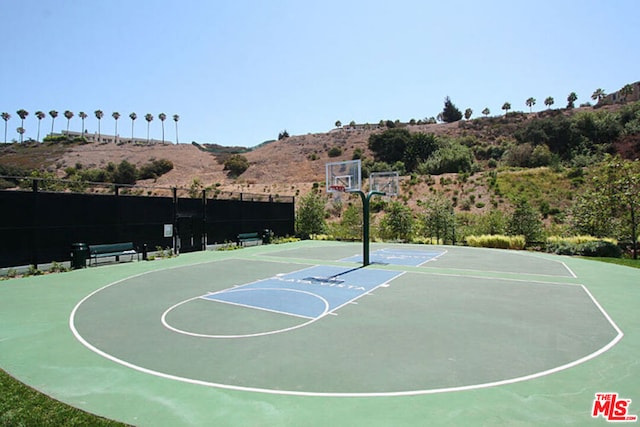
(239, 72)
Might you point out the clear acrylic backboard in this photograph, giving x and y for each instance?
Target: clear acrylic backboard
(344, 176)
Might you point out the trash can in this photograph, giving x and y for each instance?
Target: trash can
(79, 255)
(266, 236)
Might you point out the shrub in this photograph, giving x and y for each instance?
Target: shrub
(496, 241)
(236, 165)
(584, 246)
(335, 152)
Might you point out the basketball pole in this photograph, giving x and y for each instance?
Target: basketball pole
(365, 223)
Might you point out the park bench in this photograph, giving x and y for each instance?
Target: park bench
(248, 237)
(111, 250)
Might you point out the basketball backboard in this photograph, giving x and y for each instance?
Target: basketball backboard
(344, 176)
(384, 182)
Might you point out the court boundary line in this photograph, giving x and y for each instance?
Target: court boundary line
(540, 374)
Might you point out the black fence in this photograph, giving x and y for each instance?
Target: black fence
(39, 227)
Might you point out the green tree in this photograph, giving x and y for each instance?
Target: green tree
(21, 132)
(99, 115)
(350, 225)
(53, 114)
(40, 115)
(593, 215)
(82, 116)
(338, 124)
(571, 99)
(439, 218)
(5, 116)
(486, 111)
(236, 165)
(125, 173)
(162, 117)
(598, 95)
(525, 221)
(530, 103)
(23, 115)
(450, 113)
(310, 216)
(626, 91)
(149, 118)
(619, 182)
(175, 119)
(389, 146)
(419, 147)
(115, 116)
(397, 223)
(68, 115)
(133, 117)
(506, 107)
(467, 113)
(549, 101)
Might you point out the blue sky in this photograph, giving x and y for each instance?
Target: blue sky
(238, 72)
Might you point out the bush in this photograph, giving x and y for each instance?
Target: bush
(155, 169)
(236, 165)
(497, 241)
(335, 152)
(451, 158)
(584, 246)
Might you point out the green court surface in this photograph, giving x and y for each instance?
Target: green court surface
(298, 334)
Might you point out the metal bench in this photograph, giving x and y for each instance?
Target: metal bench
(111, 250)
(248, 237)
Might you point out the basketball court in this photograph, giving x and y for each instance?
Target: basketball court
(303, 334)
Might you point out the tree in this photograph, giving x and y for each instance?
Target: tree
(133, 117)
(162, 117)
(486, 111)
(506, 107)
(419, 147)
(236, 165)
(530, 103)
(21, 131)
(99, 115)
(82, 116)
(68, 115)
(525, 221)
(571, 99)
(116, 116)
(149, 118)
(175, 119)
(549, 101)
(390, 145)
(467, 113)
(450, 113)
(23, 115)
(310, 216)
(282, 135)
(618, 181)
(40, 115)
(397, 223)
(5, 116)
(439, 218)
(626, 91)
(598, 95)
(53, 114)
(338, 124)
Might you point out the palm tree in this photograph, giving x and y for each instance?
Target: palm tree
(5, 116)
(53, 114)
(162, 117)
(506, 107)
(486, 111)
(175, 119)
(133, 117)
(149, 118)
(571, 99)
(598, 95)
(23, 115)
(99, 114)
(83, 116)
(625, 92)
(530, 103)
(116, 116)
(40, 115)
(21, 131)
(68, 114)
(549, 101)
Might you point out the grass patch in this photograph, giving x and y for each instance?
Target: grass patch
(21, 405)
(627, 262)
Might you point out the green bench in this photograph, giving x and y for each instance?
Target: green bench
(248, 237)
(111, 250)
